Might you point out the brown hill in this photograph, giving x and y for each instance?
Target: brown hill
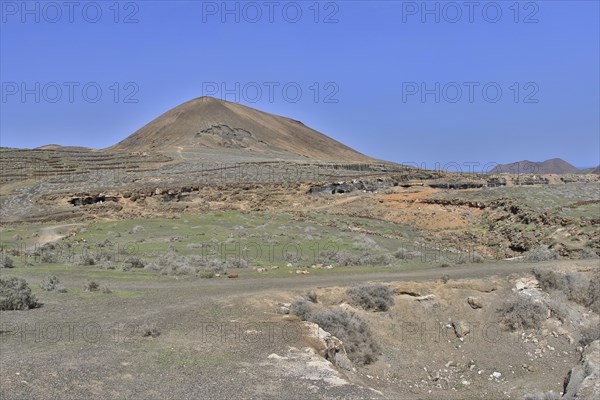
(209, 124)
(552, 166)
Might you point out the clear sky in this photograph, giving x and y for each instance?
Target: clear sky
(414, 82)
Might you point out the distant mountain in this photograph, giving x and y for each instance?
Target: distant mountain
(595, 170)
(553, 166)
(209, 124)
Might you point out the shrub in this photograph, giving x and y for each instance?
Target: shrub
(477, 258)
(352, 331)
(445, 278)
(48, 257)
(404, 254)
(134, 262)
(522, 312)
(206, 274)
(87, 260)
(90, 286)
(548, 279)
(236, 263)
(376, 297)
(152, 267)
(15, 294)
(106, 290)
(588, 254)
(148, 330)
(52, 284)
(302, 308)
(541, 253)
(185, 270)
(8, 262)
(576, 286)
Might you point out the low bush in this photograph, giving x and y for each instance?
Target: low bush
(149, 330)
(576, 286)
(541, 253)
(549, 280)
(52, 284)
(15, 294)
(206, 274)
(375, 297)
(87, 260)
(236, 263)
(354, 332)
(133, 262)
(90, 286)
(7, 262)
(522, 312)
(588, 254)
(302, 308)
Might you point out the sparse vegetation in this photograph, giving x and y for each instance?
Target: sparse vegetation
(15, 294)
(354, 332)
(302, 308)
(88, 260)
(52, 284)
(149, 330)
(541, 253)
(374, 297)
(7, 262)
(134, 262)
(90, 286)
(576, 286)
(346, 326)
(522, 312)
(206, 274)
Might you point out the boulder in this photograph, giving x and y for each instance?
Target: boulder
(328, 346)
(474, 302)
(461, 328)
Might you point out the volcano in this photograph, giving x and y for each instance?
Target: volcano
(213, 125)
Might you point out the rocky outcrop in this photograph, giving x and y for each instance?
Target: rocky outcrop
(328, 346)
(583, 381)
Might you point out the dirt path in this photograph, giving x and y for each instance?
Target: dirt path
(51, 234)
(250, 286)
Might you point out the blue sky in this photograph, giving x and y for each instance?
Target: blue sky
(384, 77)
